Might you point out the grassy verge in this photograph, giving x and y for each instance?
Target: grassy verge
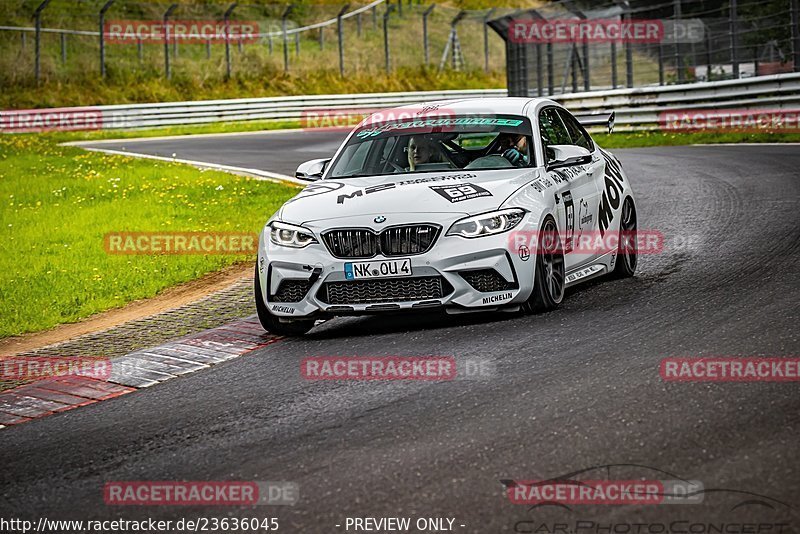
(57, 203)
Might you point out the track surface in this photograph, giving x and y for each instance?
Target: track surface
(572, 389)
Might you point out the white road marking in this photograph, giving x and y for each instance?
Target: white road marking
(255, 173)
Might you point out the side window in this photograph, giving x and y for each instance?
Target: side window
(552, 129)
(577, 133)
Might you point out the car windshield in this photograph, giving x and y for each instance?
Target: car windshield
(474, 142)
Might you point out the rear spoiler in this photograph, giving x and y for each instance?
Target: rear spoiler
(598, 119)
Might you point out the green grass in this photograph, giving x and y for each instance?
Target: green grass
(57, 203)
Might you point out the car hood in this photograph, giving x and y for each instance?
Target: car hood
(460, 192)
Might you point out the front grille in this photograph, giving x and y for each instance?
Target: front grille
(385, 290)
(352, 243)
(407, 240)
(487, 280)
(291, 291)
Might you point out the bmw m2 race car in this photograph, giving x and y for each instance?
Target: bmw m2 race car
(468, 205)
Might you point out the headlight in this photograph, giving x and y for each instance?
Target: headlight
(290, 235)
(495, 222)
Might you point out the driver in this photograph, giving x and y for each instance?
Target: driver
(514, 148)
(421, 149)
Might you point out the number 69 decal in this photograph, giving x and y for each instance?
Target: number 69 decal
(459, 192)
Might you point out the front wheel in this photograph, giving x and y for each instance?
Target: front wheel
(271, 323)
(549, 278)
(627, 250)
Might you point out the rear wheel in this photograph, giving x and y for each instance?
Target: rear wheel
(271, 323)
(627, 250)
(549, 279)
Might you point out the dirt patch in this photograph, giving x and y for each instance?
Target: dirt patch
(171, 298)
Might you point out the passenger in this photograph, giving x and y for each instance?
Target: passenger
(421, 150)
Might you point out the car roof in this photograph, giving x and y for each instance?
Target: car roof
(498, 105)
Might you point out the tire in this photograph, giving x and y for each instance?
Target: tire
(627, 249)
(549, 278)
(271, 323)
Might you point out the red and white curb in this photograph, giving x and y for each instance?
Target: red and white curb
(140, 369)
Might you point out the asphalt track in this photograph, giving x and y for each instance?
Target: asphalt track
(572, 389)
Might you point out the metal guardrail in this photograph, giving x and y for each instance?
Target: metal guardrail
(635, 108)
(639, 108)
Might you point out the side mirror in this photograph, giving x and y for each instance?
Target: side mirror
(312, 170)
(566, 156)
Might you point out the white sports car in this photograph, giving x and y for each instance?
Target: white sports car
(468, 205)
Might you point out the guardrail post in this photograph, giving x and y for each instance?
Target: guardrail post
(322, 38)
(796, 34)
(139, 50)
(425, 15)
(358, 24)
(286, 14)
(63, 48)
(386, 52)
(269, 43)
(733, 15)
(167, 14)
(486, 39)
(297, 44)
(24, 37)
(37, 15)
(340, 33)
(678, 60)
(374, 17)
(226, 20)
(208, 48)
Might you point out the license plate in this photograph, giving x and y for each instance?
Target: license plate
(377, 269)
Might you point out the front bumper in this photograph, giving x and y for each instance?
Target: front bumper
(456, 273)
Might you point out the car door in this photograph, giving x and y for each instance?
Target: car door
(576, 193)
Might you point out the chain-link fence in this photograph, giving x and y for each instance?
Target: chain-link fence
(66, 41)
(569, 46)
(562, 46)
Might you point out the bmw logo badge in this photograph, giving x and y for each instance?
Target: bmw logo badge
(379, 219)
